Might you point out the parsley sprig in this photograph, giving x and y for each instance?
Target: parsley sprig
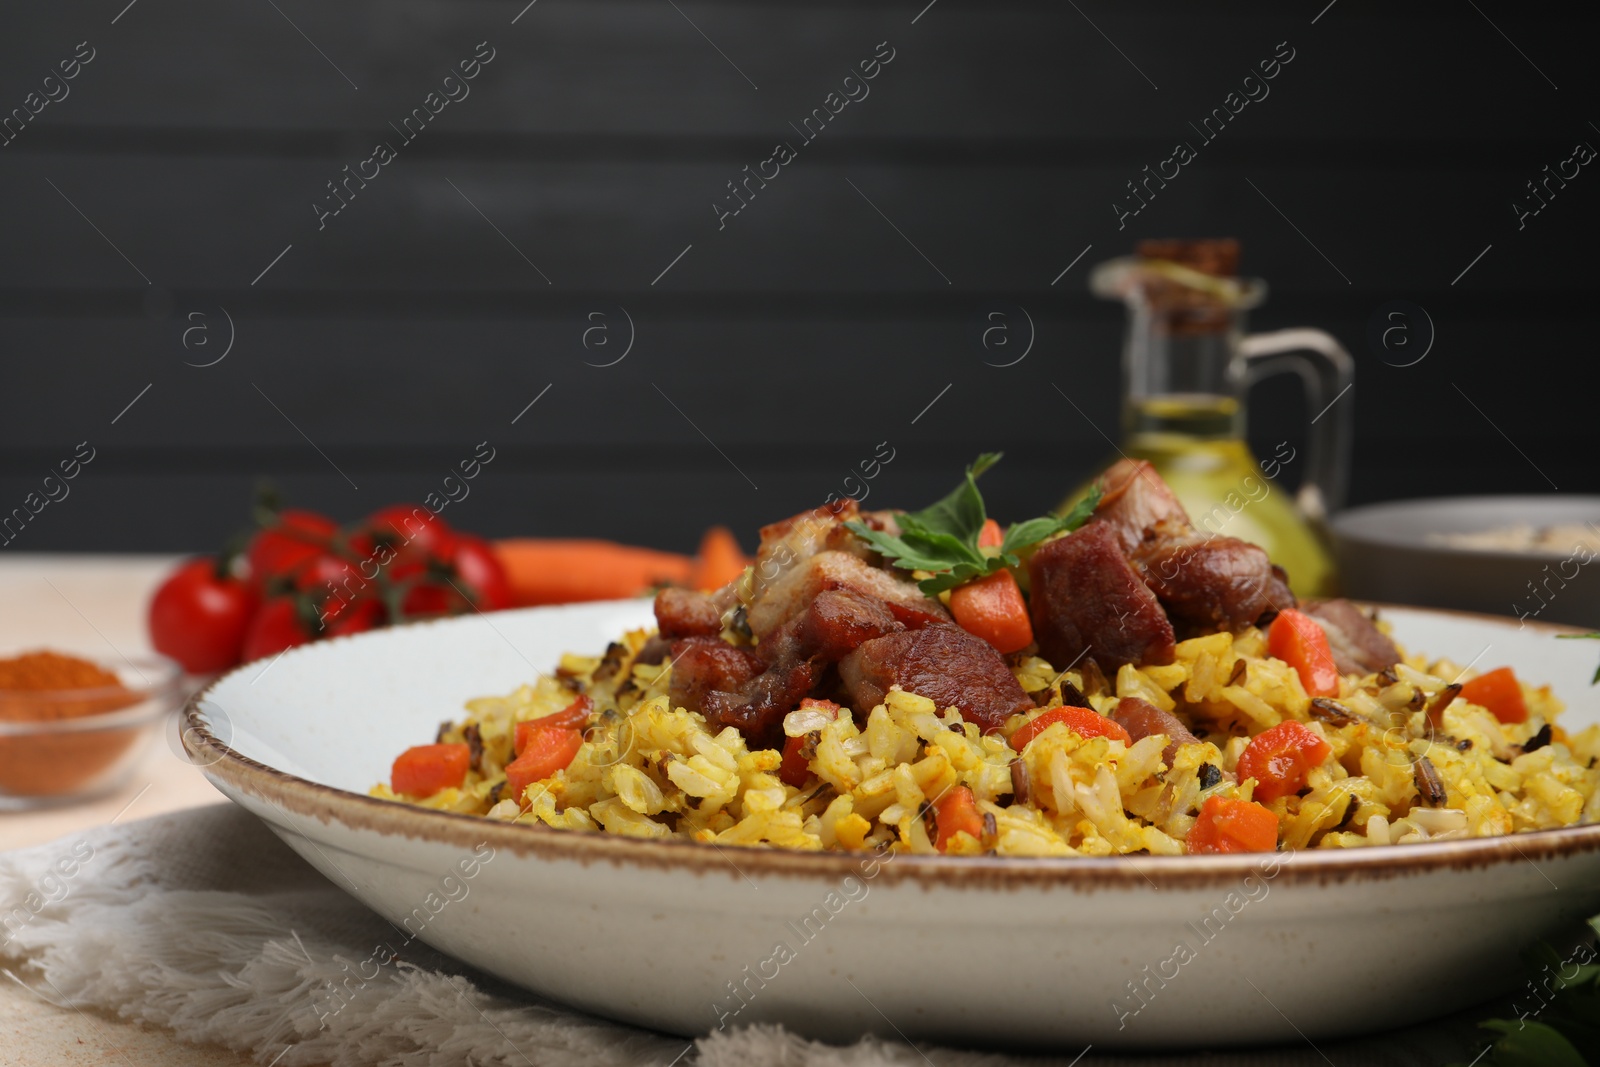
(943, 538)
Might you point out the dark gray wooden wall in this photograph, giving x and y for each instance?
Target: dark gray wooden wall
(806, 331)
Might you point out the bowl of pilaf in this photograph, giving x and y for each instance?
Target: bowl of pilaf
(1086, 778)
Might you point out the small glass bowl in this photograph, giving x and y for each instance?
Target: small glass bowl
(62, 746)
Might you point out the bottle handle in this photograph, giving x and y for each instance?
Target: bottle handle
(1328, 372)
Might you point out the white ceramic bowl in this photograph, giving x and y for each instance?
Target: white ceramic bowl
(682, 937)
(1391, 552)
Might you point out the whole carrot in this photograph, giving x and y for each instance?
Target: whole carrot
(720, 561)
(547, 571)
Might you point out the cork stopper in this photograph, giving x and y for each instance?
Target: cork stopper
(1216, 256)
(1184, 303)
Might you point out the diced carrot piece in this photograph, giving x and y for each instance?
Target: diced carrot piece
(574, 716)
(1227, 824)
(796, 769)
(1085, 722)
(991, 536)
(546, 752)
(1299, 641)
(957, 812)
(1499, 691)
(1280, 758)
(423, 770)
(992, 608)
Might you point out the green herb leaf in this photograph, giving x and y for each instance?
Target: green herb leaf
(943, 538)
(1532, 1044)
(1023, 534)
(1558, 1020)
(961, 512)
(960, 574)
(897, 550)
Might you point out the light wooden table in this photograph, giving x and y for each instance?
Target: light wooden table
(95, 606)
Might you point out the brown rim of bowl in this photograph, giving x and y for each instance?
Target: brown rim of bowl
(291, 794)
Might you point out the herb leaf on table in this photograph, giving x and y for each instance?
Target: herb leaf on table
(1562, 1031)
(1580, 637)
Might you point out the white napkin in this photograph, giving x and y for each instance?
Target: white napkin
(205, 923)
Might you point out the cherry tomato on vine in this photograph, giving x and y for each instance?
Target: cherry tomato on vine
(481, 573)
(281, 623)
(356, 617)
(410, 562)
(199, 615)
(432, 597)
(325, 571)
(407, 525)
(295, 538)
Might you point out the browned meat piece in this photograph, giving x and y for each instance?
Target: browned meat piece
(1205, 582)
(1135, 500)
(838, 620)
(757, 711)
(842, 539)
(1213, 583)
(686, 613)
(1088, 600)
(752, 689)
(705, 665)
(829, 629)
(655, 649)
(788, 544)
(1142, 719)
(798, 587)
(1359, 647)
(946, 664)
(810, 526)
(732, 686)
(796, 657)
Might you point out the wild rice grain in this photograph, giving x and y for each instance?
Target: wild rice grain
(1430, 787)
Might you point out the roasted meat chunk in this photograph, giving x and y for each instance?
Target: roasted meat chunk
(1205, 582)
(1135, 501)
(1143, 719)
(1213, 583)
(1088, 600)
(793, 593)
(813, 599)
(704, 665)
(733, 686)
(1358, 646)
(839, 620)
(946, 664)
(687, 613)
(787, 544)
(758, 711)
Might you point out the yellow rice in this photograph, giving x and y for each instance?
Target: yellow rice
(650, 770)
